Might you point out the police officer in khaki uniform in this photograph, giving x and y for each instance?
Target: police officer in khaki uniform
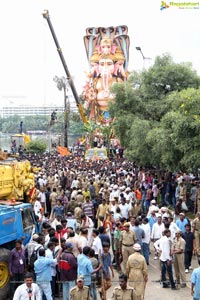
(123, 292)
(128, 239)
(196, 231)
(136, 270)
(197, 200)
(80, 292)
(178, 251)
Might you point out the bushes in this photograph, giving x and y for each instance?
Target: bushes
(36, 146)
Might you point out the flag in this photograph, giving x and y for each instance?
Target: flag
(63, 151)
(26, 138)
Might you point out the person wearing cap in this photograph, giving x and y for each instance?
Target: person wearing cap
(136, 270)
(80, 292)
(123, 291)
(128, 195)
(152, 207)
(196, 231)
(68, 270)
(178, 252)
(112, 205)
(128, 238)
(152, 218)
(115, 192)
(182, 222)
(30, 247)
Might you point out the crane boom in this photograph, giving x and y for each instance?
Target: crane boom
(69, 78)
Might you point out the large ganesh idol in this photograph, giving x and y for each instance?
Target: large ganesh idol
(107, 52)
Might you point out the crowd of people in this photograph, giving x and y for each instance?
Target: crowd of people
(96, 217)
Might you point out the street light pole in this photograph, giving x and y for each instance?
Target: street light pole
(65, 118)
(62, 84)
(143, 57)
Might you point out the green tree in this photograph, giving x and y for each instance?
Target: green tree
(149, 114)
(36, 146)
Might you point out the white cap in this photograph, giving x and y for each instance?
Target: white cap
(163, 208)
(165, 215)
(158, 215)
(137, 247)
(115, 187)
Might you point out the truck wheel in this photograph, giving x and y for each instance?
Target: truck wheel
(4, 274)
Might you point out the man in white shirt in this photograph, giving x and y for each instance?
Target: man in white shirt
(128, 195)
(96, 244)
(28, 290)
(112, 206)
(124, 207)
(132, 223)
(172, 227)
(42, 196)
(115, 192)
(87, 223)
(37, 207)
(56, 221)
(157, 230)
(163, 245)
(146, 240)
(152, 207)
(83, 240)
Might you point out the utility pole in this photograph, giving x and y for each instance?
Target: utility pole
(143, 57)
(62, 83)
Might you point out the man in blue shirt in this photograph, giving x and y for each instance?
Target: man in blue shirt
(85, 266)
(42, 267)
(195, 281)
(182, 222)
(152, 219)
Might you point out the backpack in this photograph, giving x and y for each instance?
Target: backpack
(34, 257)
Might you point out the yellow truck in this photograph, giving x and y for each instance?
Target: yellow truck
(16, 179)
(96, 154)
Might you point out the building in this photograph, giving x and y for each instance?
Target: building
(21, 109)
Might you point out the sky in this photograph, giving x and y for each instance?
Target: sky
(29, 59)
